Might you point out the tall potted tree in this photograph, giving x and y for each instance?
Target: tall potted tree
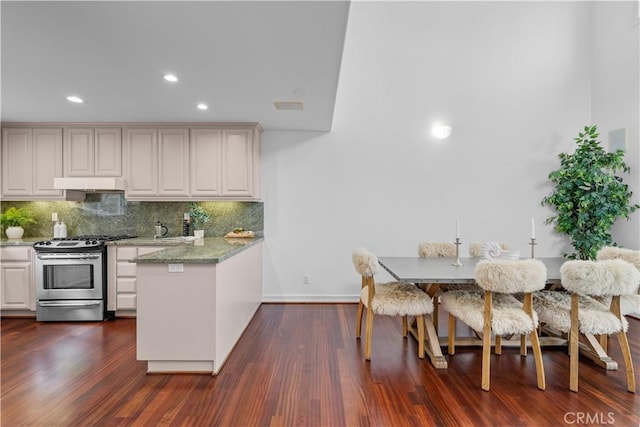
(589, 196)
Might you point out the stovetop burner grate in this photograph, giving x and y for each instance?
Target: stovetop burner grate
(103, 237)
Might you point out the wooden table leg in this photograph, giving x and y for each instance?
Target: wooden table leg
(591, 348)
(432, 347)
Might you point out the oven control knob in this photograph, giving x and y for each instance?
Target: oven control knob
(48, 242)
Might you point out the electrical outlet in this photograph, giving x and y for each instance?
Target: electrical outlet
(307, 279)
(176, 268)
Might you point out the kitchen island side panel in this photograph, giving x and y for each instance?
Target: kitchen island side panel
(176, 313)
(238, 296)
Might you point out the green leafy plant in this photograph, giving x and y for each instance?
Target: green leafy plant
(588, 196)
(199, 217)
(16, 217)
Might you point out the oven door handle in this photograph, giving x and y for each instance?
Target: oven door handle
(68, 256)
(68, 303)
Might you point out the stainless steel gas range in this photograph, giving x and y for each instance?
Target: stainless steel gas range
(71, 278)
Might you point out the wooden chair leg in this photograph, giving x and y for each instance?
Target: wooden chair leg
(604, 342)
(452, 334)
(434, 315)
(498, 348)
(523, 343)
(486, 342)
(405, 326)
(359, 319)
(624, 346)
(574, 334)
(420, 321)
(368, 335)
(537, 355)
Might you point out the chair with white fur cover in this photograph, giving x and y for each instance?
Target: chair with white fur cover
(576, 312)
(388, 299)
(494, 310)
(436, 250)
(629, 304)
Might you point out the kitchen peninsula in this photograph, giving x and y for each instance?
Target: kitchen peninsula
(195, 301)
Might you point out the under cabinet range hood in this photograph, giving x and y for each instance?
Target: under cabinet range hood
(90, 184)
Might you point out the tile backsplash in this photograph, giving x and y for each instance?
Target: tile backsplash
(110, 213)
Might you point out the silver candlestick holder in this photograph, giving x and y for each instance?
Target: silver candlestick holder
(457, 243)
(533, 244)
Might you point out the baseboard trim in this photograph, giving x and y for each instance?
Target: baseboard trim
(310, 298)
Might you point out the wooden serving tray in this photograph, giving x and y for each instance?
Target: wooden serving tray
(241, 235)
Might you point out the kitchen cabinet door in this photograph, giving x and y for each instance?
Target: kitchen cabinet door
(108, 152)
(141, 162)
(93, 152)
(173, 166)
(31, 159)
(237, 154)
(122, 278)
(206, 162)
(17, 291)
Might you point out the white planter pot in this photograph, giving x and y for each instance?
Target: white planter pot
(198, 233)
(14, 232)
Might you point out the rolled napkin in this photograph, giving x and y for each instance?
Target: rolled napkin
(491, 250)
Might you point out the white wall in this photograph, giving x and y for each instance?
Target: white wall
(514, 81)
(615, 91)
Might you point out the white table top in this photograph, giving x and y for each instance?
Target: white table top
(442, 270)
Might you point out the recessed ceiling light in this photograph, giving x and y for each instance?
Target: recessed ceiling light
(202, 106)
(170, 78)
(75, 99)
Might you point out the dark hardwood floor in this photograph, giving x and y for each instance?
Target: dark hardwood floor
(296, 365)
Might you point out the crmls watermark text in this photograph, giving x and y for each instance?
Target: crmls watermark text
(589, 418)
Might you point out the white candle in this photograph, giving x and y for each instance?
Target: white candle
(533, 229)
(457, 228)
(54, 216)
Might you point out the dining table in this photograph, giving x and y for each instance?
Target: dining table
(435, 275)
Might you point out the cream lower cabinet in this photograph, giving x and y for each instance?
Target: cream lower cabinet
(17, 289)
(122, 278)
(189, 320)
(31, 159)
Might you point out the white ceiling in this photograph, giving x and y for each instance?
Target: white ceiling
(238, 57)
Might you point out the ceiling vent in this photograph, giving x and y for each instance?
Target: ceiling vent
(289, 105)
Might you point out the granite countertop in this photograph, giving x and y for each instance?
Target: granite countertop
(210, 250)
(25, 241)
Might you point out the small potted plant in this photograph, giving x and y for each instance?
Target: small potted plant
(13, 219)
(199, 217)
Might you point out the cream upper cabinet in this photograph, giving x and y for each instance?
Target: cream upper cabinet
(31, 159)
(93, 152)
(173, 162)
(157, 163)
(206, 163)
(237, 158)
(141, 162)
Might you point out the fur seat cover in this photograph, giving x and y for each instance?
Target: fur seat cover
(629, 304)
(398, 299)
(554, 309)
(437, 250)
(507, 316)
(606, 277)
